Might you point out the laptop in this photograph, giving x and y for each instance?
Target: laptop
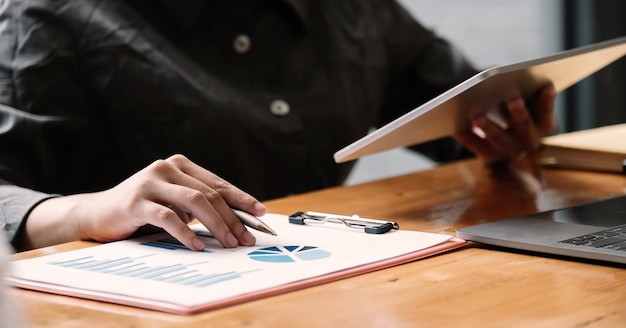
(595, 231)
(484, 93)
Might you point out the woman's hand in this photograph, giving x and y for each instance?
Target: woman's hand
(167, 194)
(522, 134)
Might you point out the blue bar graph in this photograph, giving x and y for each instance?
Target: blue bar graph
(182, 274)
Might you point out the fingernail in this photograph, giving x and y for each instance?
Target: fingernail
(231, 241)
(198, 244)
(259, 208)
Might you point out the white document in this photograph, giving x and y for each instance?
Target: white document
(158, 272)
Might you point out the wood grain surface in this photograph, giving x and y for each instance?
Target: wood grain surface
(474, 286)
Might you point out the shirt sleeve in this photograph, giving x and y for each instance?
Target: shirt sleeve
(29, 140)
(424, 65)
(15, 204)
(442, 66)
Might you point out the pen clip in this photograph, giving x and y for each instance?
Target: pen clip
(371, 226)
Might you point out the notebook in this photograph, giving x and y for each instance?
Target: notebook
(602, 149)
(484, 93)
(595, 231)
(159, 273)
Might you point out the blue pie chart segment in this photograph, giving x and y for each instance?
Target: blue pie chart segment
(287, 254)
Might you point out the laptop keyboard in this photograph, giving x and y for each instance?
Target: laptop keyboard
(613, 238)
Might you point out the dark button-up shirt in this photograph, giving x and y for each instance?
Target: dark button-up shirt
(261, 93)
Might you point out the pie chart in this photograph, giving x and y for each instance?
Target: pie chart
(285, 254)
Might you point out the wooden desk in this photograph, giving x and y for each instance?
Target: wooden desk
(474, 286)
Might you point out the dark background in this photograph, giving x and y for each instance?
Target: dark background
(600, 99)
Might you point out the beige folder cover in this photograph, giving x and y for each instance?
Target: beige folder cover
(484, 93)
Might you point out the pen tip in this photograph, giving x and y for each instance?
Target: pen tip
(265, 228)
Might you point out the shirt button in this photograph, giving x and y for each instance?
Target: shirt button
(242, 44)
(279, 108)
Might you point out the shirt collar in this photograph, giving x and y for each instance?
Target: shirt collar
(185, 12)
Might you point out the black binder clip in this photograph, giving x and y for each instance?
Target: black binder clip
(368, 225)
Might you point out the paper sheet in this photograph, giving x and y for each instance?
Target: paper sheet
(158, 272)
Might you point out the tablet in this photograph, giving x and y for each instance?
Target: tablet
(485, 93)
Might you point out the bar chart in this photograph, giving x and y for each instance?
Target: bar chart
(135, 267)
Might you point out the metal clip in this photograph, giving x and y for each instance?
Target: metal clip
(368, 225)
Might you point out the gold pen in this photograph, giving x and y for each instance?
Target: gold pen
(253, 222)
